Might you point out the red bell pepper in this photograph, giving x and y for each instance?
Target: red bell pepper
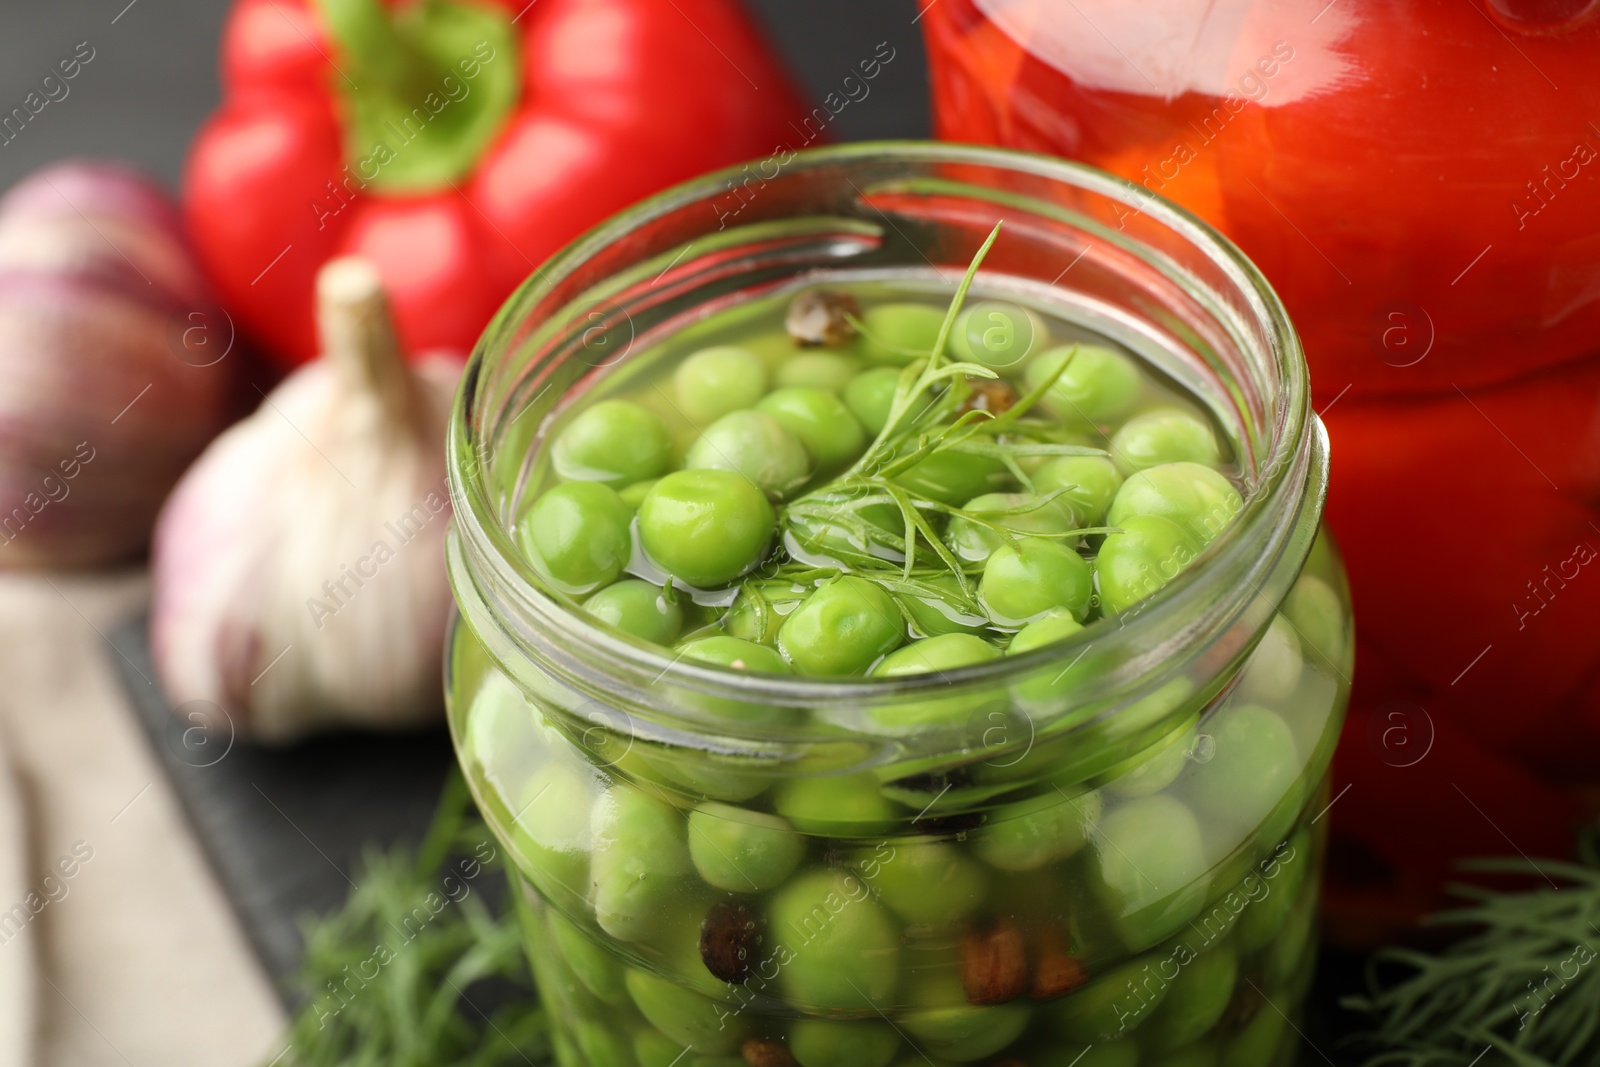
(457, 143)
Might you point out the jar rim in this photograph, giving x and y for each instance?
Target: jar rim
(1294, 466)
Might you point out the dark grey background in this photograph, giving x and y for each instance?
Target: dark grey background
(153, 78)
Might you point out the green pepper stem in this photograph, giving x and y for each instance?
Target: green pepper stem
(369, 41)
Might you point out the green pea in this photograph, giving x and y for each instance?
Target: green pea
(1254, 766)
(1098, 385)
(597, 969)
(1196, 1001)
(1025, 581)
(843, 948)
(1101, 1054)
(1044, 688)
(760, 608)
(600, 1045)
(996, 334)
(551, 832)
(817, 370)
(742, 851)
(1147, 554)
(1034, 833)
(1164, 435)
(685, 1016)
(836, 805)
(1087, 485)
(830, 433)
(1271, 891)
(951, 477)
(927, 882)
(1113, 1004)
(1294, 944)
(1152, 867)
(576, 535)
(842, 628)
(615, 442)
(839, 1043)
(638, 608)
(940, 611)
(736, 655)
(1319, 619)
(899, 333)
(641, 856)
(1260, 1043)
(1273, 671)
(655, 1049)
(965, 1032)
(757, 446)
(973, 541)
(1196, 1054)
(1155, 768)
(934, 655)
(870, 395)
(706, 527)
(715, 381)
(1196, 498)
(500, 727)
(634, 494)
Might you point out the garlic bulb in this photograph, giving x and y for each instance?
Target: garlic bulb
(107, 388)
(298, 568)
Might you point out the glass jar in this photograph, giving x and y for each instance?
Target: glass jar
(1112, 844)
(1411, 180)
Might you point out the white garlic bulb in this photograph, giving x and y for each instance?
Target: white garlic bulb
(299, 578)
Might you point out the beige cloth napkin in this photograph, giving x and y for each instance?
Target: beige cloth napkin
(139, 961)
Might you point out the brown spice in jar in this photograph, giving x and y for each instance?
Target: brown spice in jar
(730, 940)
(994, 962)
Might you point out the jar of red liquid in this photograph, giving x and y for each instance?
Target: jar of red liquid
(1420, 180)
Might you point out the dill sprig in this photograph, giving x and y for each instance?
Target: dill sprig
(1524, 988)
(391, 978)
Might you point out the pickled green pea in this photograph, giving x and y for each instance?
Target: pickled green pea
(1025, 581)
(735, 654)
(1273, 671)
(966, 1032)
(934, 615)
(598, 970)
(500, 730)
(1272, 892)
(641, 856)
(926, 882)
(973, 541)
(638, 608)
(1148, 553)
(760, 608)
(842, 628)
(1260, 1042)
(1196, 1001)
(899, 333)
(951, 477)
(1152, 867)
(1097, 386)
(715, 381)
(1087, 485)
(1153, 769)
(577, 536)
(615, 442)
(935, 655)
(1196, 1054)
(1319, 619)
(600, 1045)
(870, 395)
(820, 421)
(1164, 435)
(842, 1043)
(1294, 942)
(1198, 499)
(817, 370)
(1037, 832)
(684, 1015)
(757, 446)
(551, 833)
(1043, 688)
(1113, 1004)
(996, 334)
(844, 949)
(742, 851)
(836, 805)
(706, 528)
(634, 494)
(1254, 766)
